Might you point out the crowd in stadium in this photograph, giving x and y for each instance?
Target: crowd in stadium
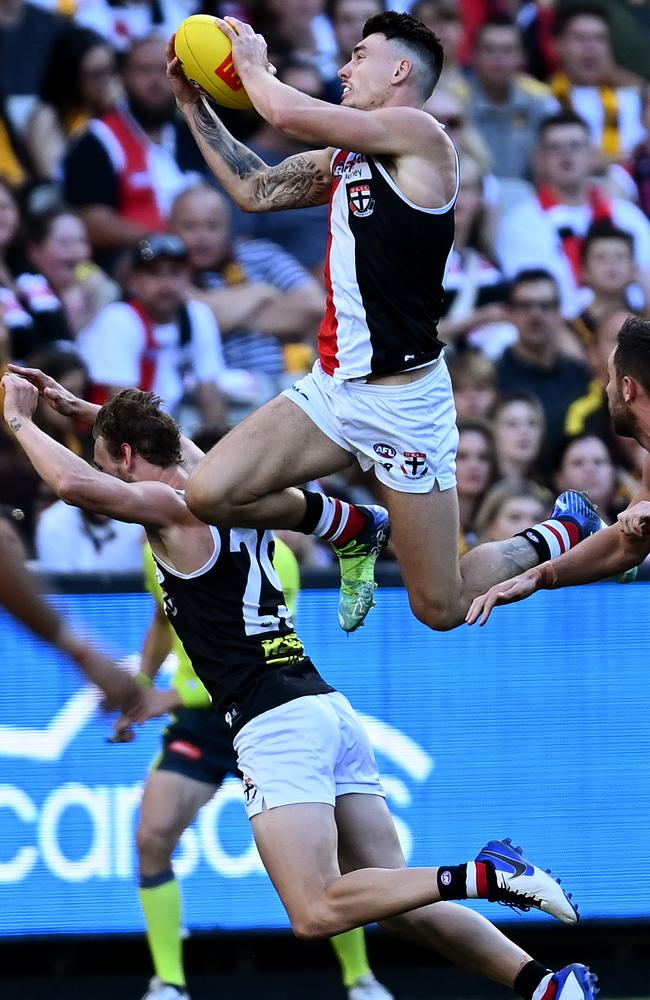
(123, 264)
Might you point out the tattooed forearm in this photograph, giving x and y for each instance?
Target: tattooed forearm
(296, 183)
(239, 159)
(15, 424)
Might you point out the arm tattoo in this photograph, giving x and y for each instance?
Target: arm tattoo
(296, 183)
(15, 424)
(237, 157)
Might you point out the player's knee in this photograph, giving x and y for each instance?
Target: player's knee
(435, 611)
(313, 924)
(207, 500)
(155, 844)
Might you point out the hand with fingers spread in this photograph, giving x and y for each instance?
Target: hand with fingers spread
(636, 520)
(248, 48)
(517, 588)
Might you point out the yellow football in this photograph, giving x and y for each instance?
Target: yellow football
(206, 55)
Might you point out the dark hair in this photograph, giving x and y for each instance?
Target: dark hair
(527, 277)
(39, 225)
(632, 355)
(61, 83)
(415, 37)
(495, 21)
(135, 417)
(565, 15)
(519, 396)
(604, 230)
(568, 440)
(558, 119)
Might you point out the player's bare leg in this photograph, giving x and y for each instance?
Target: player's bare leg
(246, 479)
(367, 837)
(425, 532)
(298, 845)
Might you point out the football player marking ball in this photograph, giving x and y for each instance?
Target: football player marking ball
(205, 53)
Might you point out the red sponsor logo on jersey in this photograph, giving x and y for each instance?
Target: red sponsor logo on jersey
(228, 74)
(186, 749)
(415, 464)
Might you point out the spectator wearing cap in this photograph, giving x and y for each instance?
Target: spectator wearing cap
(156, 340)
(124, 172)
(546, 230)
(590, 83)
(504, 105)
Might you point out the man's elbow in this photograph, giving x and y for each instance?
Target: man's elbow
(68, 487)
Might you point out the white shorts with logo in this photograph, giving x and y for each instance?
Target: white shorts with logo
(311, 749)
(407, 432)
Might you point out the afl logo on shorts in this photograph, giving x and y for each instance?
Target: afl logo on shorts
(384, 450)
(361, 202)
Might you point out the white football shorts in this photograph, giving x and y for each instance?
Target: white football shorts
(311, 749)
(407, 432)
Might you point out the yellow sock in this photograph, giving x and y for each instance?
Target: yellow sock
(160, 897)
(350, 949)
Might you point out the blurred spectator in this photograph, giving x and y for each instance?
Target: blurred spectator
(518, 425)
(262, 298)
(547, 230)
(474, 382)
(510, 507)
(303, 234)
(591, 84)
(156, 341)
(608, 272)
(16, 168)
(27, 34)
(69, 539)
(80, 83)
(347, 18)
(121, 22)
(476, 471)
(445, 19)
(66, 366)
(59, 248)
(504, 105)
(301, 28)
(639, 163)
(450, 111)
(126, 170)
(585, 463)
(475, 288)
(589, 412)
(536, 362)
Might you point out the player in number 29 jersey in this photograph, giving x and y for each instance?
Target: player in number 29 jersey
(232, 619)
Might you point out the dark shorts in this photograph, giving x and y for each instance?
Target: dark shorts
(198, 744)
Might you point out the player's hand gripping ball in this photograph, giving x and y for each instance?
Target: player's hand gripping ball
(205, 52)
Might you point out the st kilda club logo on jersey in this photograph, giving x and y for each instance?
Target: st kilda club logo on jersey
(361, 201)
(415, 464)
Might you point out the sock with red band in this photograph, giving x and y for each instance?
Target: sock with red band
(334, 520)
(529, 978)
(473, 880)
(553, 537)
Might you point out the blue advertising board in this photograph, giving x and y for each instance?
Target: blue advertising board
(535, 727)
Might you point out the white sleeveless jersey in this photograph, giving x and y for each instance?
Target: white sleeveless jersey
(385, 265)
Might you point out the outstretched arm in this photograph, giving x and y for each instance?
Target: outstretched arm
(298, 182)
(608, 553)
(72, 479)
(20, 595)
